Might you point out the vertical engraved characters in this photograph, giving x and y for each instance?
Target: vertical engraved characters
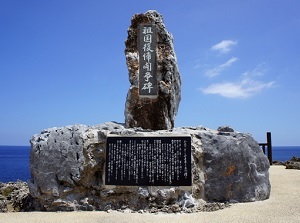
(147, 55)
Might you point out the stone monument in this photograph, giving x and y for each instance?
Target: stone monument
(135, 166)
(154, 95)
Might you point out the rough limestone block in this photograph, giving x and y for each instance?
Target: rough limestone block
(67, 166)
(293, 163)
(152, 113)
(235, 167)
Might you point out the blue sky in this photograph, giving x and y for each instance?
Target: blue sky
(62, 63)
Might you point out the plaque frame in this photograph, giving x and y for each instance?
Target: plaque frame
(148, 160)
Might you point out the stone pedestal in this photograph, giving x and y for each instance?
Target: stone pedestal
(68, 168)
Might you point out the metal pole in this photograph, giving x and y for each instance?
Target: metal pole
(269, 142)
(264, 148)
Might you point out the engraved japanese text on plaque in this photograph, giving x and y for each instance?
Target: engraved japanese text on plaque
(147, 57)
(148, 161)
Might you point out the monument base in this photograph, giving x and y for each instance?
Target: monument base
(68, 171)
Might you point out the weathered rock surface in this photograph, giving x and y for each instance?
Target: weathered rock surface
(293, 163)
(67, 167)
(152, 113)
(14, 196)
(278, 163)
(232, 164)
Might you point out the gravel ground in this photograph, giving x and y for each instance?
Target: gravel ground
(283, 206)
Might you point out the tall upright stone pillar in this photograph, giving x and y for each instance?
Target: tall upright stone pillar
(155, 92)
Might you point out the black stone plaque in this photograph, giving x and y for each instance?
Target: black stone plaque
(147, 58)
(148, 161)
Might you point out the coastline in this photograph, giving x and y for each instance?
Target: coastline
(282, 206)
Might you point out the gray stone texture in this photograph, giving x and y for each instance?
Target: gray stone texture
(67, 166)
(293, 163)
(14, 197)
(152, 113)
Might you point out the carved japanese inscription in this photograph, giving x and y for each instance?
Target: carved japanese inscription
(147, 66)
(148, 161)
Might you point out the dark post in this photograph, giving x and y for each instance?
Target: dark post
(263, 148)
(269, 144)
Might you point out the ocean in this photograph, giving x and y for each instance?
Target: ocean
(14, 160)
(14, 163)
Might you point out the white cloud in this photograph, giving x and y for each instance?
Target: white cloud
(259, 71)
(228, 90)
(224, 46)
(244, 88)
(218, 69)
